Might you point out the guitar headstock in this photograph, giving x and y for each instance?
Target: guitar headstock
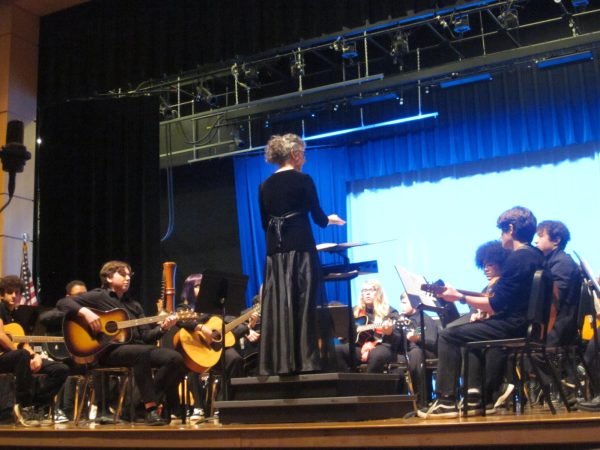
(434, 289)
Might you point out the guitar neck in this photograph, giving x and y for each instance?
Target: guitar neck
(371, 326)
(36, 339)
(235, 322)
(142, 321)
(472, 293)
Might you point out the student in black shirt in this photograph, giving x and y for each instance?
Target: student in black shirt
(508, 309)
(142, 353)
(22, 361)
(292, 280)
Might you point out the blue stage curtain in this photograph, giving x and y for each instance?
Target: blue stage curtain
(525, 116)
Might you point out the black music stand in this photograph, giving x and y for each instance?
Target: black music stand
(342, 321)
(216, 290)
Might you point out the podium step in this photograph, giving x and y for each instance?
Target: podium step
(325, 409)
(317, 385)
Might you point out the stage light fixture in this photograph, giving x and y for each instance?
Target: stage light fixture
(297, 68)
(460, 24)
(567, 59)
(466, 80)
(509, 19)
(347, 49)
(399, 48)
(203, 95)
(250, 75)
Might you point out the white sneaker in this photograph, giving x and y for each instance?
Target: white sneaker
(93, 412)
(197, 414)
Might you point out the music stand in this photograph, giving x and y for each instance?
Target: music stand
(216, 290)
(342, 321)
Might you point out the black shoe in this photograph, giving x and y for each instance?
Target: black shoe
(440, 409)
(154, 418)
(473, 403)
(592, 405)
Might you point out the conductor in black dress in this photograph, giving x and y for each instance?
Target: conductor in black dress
(292, 277)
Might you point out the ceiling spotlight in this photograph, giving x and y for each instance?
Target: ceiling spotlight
(250, 75)
(509, 19)
(399, 48)
(203, 95)
(347, 49)
(297, 66)
(460, 24)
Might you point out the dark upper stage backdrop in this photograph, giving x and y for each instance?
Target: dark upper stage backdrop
(98, 193)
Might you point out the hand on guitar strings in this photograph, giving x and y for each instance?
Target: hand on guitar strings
(91, 318)
(253, 336)
(205, 333)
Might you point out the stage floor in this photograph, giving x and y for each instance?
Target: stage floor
(538, 427)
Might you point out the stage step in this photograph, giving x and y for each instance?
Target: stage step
(314, 385)
(326, 409)
(314, 397)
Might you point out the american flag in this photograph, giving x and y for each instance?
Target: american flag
(29, 296)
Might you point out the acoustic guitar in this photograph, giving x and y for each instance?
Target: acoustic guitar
(438, 289)
(198, 355)
(16, 333)
(115, 326)
(587, 332)
(365, 331)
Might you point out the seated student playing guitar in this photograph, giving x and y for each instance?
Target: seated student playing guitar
(141, 354)
(22, 361)
(380, 346)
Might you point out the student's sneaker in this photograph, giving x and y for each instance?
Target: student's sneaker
(592, 405)
(197, 414)
(60, 416)
(473, 403)
(440, 409)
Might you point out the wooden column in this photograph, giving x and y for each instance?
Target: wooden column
(19, 30)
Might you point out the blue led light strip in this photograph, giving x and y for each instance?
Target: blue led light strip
(466, 80)
(369, 127)
(583, 56)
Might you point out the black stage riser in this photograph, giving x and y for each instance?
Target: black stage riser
(328, 409)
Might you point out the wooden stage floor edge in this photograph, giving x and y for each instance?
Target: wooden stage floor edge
(508, 430)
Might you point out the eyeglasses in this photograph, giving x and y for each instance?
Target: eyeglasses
(372, 289)
(124, 272)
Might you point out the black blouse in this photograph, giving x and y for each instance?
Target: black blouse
(285, 193)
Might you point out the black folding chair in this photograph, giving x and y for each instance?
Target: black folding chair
(534, 341)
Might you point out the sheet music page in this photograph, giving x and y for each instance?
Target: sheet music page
(412, 285)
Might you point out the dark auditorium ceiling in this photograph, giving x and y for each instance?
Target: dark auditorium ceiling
(45, 7)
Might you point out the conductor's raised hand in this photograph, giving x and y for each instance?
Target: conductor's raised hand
(334, 219)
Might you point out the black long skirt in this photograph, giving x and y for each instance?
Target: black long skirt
(290, 330)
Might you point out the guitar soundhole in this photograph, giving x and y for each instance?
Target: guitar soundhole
(111, 327)
(216, 336)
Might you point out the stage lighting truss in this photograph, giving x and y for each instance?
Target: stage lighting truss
(356, 68)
